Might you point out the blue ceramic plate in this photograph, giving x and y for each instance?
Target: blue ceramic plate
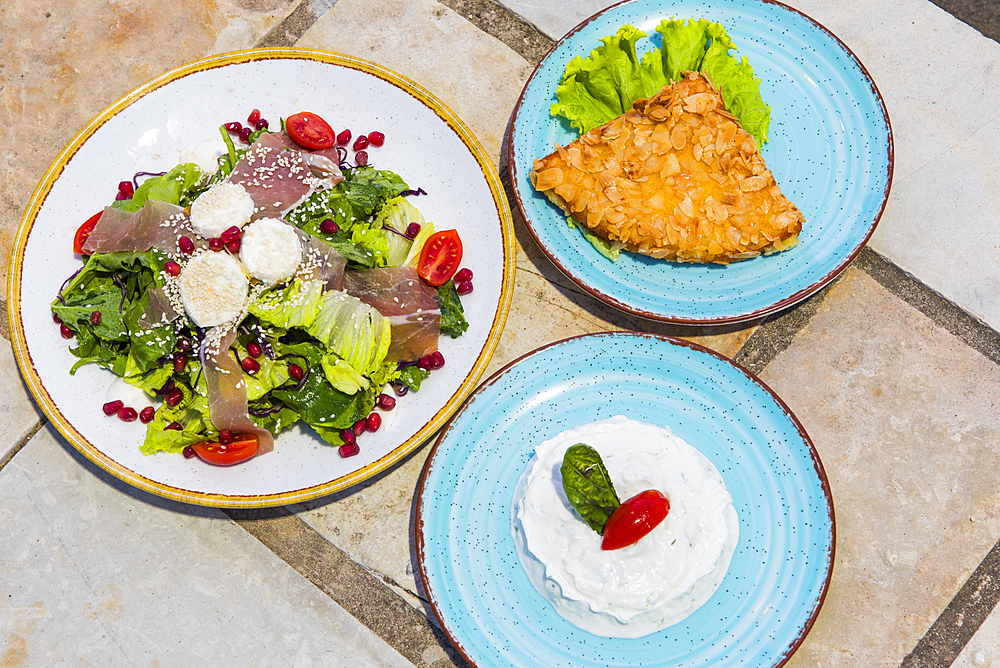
(779, 574)
(830, 150)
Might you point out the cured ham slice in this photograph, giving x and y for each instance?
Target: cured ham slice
(227, 393)
(410, 304)
(156, 225)
(321, 261)
(278, 175)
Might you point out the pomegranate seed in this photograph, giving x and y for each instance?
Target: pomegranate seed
(386, 402)
(361, 143)
(127, 189)
(347, 435)
(127, 414)
(65, 331)
(225, 437)
(253, 117)
(463, 274)
(234, 247)
(183, 344)
(180, 363)
(216, 245)
(95, 318)
(188, 452)
(234, 128)
(175, 425)
(173, 397)
(147, 414)
(185, 245)
(296, 372)
(434, 360)
(245, 135)
(231, 234)
(172, 268)
(412, 230)
(254, 349)
(250, 365)
(361, 158)
(373, 422)
(376, 138)
(56, 319)
(359, 427)
(112, 407)
(349, 449)
(329, 227)
(464, 288)
(261, 125)
(344, 137)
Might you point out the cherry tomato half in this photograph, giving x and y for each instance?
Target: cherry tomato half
(243, 447)
(440, 257)
(309, 130)
(635, 518)
(84, 231)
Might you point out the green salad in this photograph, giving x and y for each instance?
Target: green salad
(316, 346)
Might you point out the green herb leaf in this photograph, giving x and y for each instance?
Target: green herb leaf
(588, 486)
(453, 322)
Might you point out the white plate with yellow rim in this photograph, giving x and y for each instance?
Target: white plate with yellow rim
(147, 131)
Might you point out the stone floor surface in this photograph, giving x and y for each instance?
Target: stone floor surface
(892, 370)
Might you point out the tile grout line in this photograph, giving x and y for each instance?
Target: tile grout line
(350, 585)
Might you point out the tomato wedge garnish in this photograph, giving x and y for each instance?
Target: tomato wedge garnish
(84, 231)
(243, 447)
(309, 130)
(440, 257)
(635, 518)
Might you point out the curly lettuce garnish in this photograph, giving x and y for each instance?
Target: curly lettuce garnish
(597, 89)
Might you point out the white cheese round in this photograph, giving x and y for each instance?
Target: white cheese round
(270, 250)
(648, 586)
(213, 288)
(220, 207)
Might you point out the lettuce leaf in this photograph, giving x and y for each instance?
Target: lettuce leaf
(353, 330)
(597, 89)
(453, 322)
(170, 187)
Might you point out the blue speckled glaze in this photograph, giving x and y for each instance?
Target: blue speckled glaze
(830, 150)
(778, 576)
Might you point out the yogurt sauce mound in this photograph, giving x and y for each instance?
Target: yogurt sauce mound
(648, 586)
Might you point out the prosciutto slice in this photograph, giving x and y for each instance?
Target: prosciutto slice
(321, 261)
(409, 303)
(227, 393)
(278, 175)
(155, 225)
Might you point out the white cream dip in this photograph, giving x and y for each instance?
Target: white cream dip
(648, 586)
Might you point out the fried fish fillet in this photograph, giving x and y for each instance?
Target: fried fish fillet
(675, 177)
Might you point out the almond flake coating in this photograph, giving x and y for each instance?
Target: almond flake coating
(676, 178)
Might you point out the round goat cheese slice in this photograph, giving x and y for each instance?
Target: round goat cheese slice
(213, 288)
(645, 587)
(270, 250)
(222, 206)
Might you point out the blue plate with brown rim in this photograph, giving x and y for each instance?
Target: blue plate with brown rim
(779, 574)
(830, 151)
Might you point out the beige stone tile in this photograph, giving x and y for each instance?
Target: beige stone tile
(96, 574)
(19, 415)
(473, 74)
(66, 60)
(904, 418)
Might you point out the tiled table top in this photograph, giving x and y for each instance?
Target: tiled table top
(892, 369)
